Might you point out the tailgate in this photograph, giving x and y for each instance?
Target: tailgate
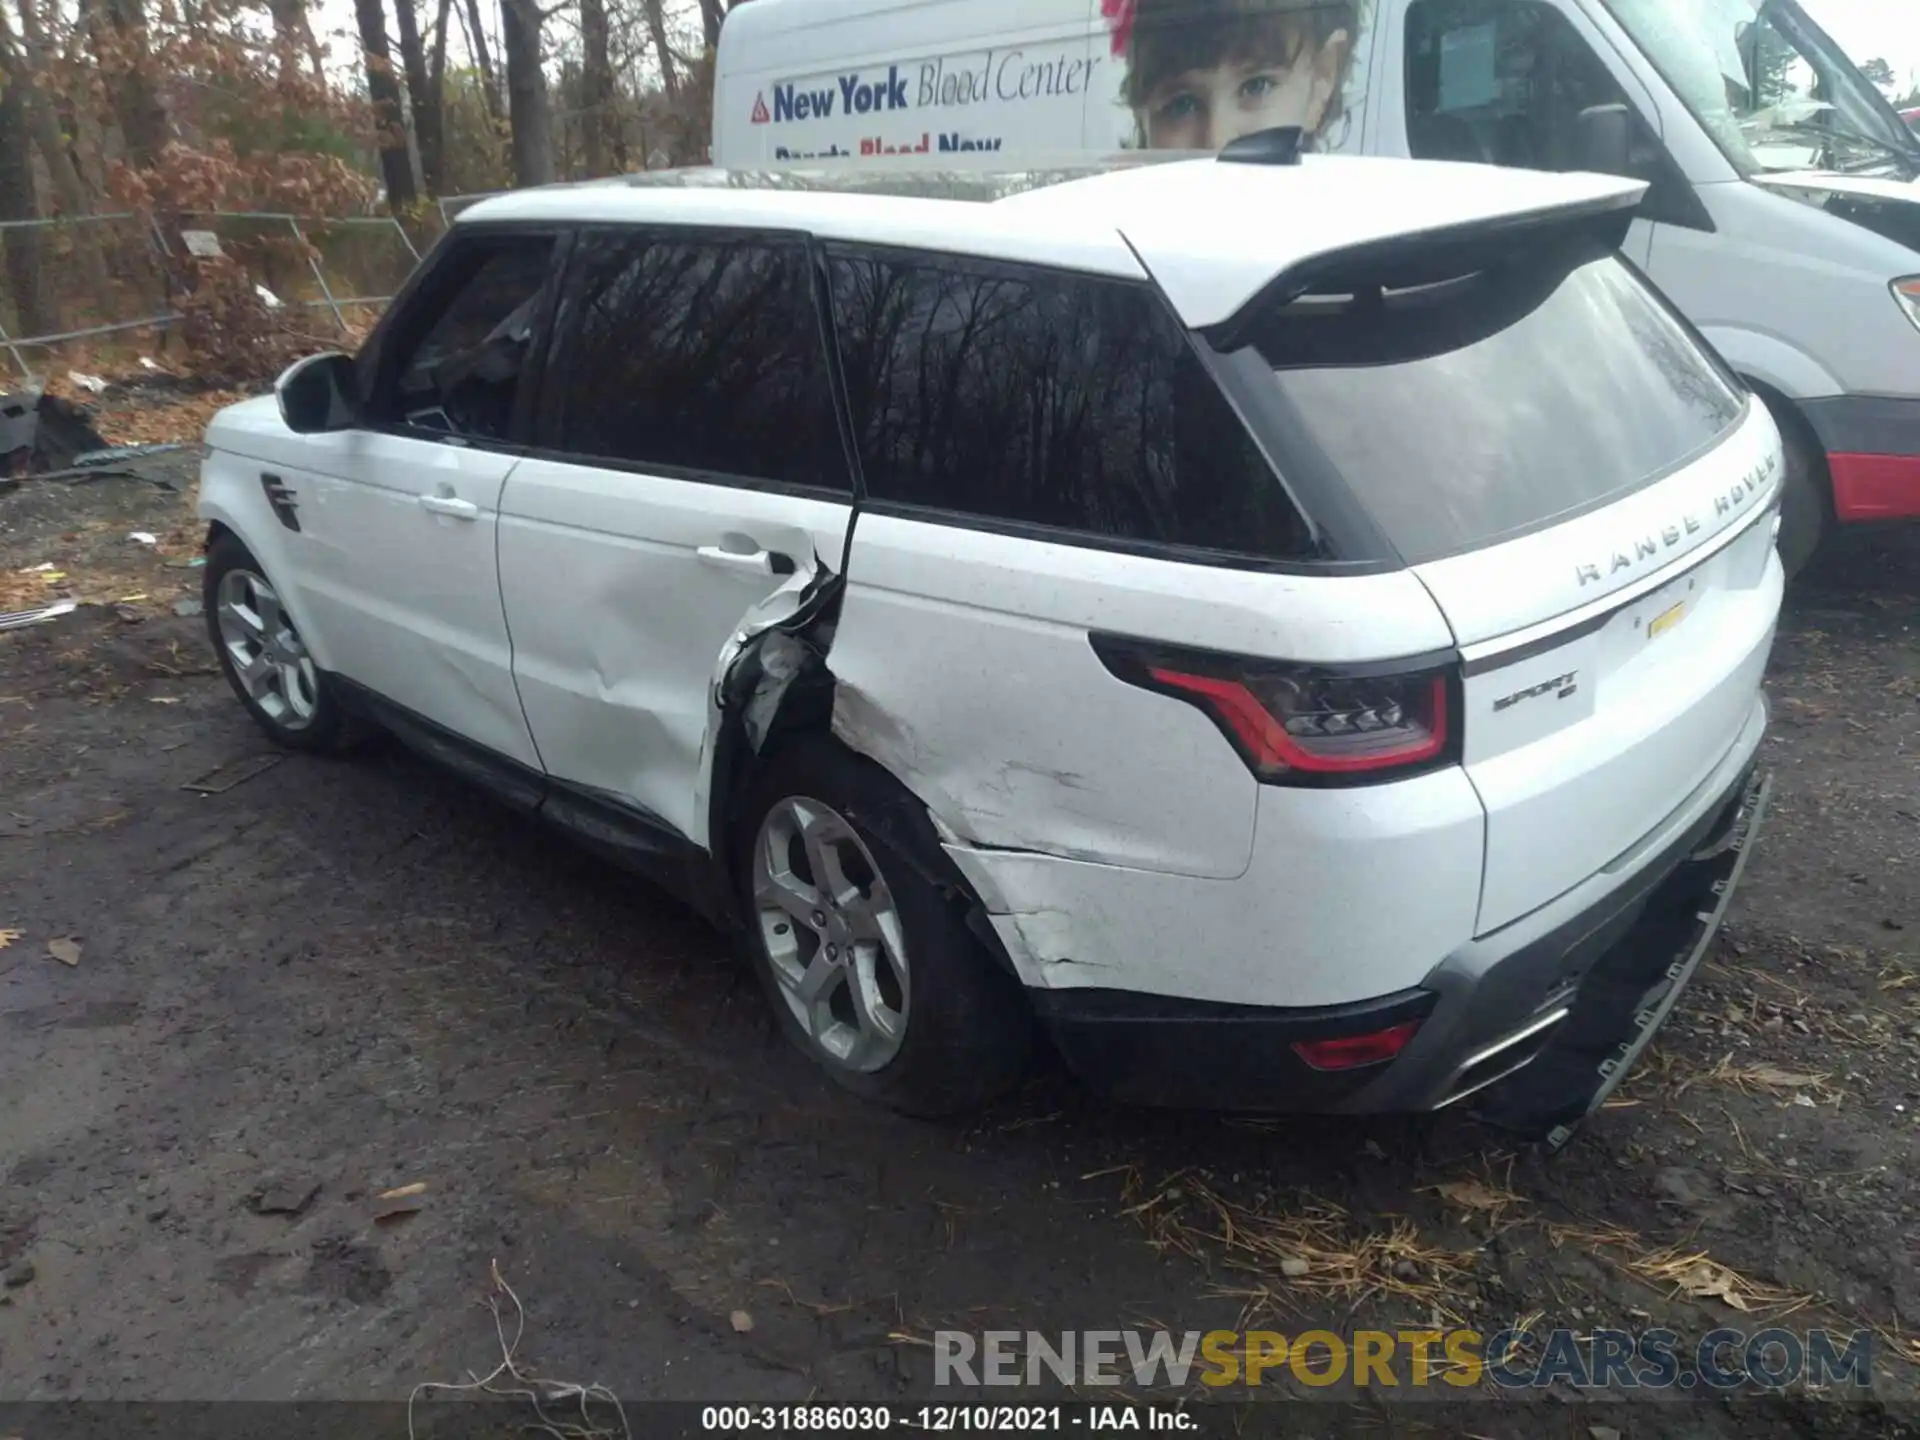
(1585, 730)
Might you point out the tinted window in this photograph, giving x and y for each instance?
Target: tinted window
(1501, 82)
(460, 361)
(698, 355)
(1464, 410)
(1063, 401)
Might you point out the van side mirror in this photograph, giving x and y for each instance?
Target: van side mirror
(1606, 140)
(316, 395)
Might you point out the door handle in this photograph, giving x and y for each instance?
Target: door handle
(746, 562)
(450, 506)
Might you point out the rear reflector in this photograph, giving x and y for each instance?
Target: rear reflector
(1304, 724)
(1350, 1052)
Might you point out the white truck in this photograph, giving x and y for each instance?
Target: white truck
(1782, 214)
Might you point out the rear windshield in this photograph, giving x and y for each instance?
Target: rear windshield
(1466, 410)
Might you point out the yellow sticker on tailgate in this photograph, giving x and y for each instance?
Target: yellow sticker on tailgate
(1666, 620)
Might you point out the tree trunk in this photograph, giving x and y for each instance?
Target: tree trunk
(597, 92)
(528, 111)
(483, 58)
(69, 191)
(712, 12)
(424, 101)
(432, 119)
(294, 43)
(657, 29)
(33, 303)
(68, 188)
(121, 31)
(384, 91)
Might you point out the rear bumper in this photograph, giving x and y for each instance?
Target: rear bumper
(1562, 1003)
(1873, 454)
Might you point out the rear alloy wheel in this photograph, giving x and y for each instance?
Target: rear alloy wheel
(858, 927)
(262, 655)
(832, 935)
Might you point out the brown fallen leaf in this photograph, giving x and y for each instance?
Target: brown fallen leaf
(392, 1207)
(403, 1192)
(7, 937)
(1475, 1196)
(741, 1321)
(1706, 1281)
(66, 950)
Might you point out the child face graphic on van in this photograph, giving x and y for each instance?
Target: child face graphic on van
(1203, 72)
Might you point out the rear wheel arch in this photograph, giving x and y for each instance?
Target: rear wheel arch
(803, 716)
(975, 1026)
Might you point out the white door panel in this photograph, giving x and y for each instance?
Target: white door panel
(621, 591)
(401, 578)
(962, 663)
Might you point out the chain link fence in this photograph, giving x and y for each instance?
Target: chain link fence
(101, 276)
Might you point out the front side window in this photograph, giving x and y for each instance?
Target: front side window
(694, 355)
(1468, 409)
(458, 365)
(1500, 82)
(1773, 90)
(1067, 402)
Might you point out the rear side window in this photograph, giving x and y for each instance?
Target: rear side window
(693, 354)
(1468, 410)
(1045, 399)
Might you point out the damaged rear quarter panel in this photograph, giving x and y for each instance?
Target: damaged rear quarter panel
(962, 664)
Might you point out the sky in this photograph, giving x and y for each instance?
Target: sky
(1889, 29)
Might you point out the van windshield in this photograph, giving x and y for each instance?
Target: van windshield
(1771, 87)
(1464, 411)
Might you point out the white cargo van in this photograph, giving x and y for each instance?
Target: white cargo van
(1782, 215)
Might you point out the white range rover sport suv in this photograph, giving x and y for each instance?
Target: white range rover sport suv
(1287, 629)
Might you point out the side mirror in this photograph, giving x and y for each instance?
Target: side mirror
(316, 395)
(1606, 140)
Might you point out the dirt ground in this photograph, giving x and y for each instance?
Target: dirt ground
(339, 977)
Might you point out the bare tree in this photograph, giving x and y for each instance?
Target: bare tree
(294, 41)
(119, 31)
(32, 302)
(476, 35)
(396, 166)
(422, 98)
(529, 111)
(598, 96)
(655, 11)
(436, 101)
(23, 67)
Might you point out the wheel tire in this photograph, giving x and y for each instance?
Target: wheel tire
(965, 1031)
(1806, 497)
(292, 700)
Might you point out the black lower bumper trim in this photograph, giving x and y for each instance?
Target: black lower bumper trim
(1628, 996)
(1195, 1054)
(1537, 1038)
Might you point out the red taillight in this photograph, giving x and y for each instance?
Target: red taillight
(1305, 724)
(1350, 1052)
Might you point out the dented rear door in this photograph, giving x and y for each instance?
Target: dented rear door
(692, 468)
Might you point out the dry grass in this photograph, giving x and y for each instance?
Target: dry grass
(1696, 1275)
(1315, 1249)
(1768, 1079)
(1680, 1270)
(28, 590)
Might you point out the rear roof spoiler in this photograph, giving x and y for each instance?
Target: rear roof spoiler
(1428, 255)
